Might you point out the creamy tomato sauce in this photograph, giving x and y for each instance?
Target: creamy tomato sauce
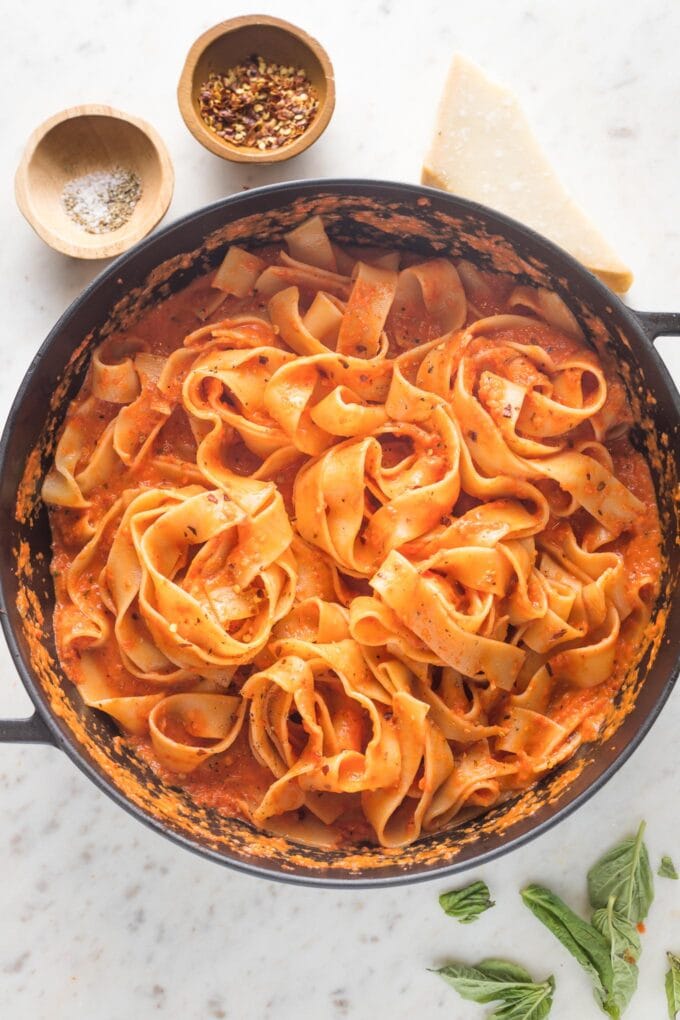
(234, 781)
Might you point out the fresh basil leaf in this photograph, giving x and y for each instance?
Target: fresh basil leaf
(505, 972)
(584, 942)
(623, 988)
(486, 981)
(467, 904)
(625, 873)
(673, 985)
(526, 1004)
(624, 943)
(619, 932)
(667, 868)
(492, 980)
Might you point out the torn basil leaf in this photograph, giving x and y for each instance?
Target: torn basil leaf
(624, 943)
(625, 873)
(519, 997)
(667, 868)
(467, 904)
(581, 939)
(622, 934)
(673, 985)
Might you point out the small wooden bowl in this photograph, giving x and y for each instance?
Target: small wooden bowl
(231, 42)
(77, 142)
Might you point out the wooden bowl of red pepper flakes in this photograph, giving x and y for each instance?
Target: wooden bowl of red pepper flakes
(256, 90)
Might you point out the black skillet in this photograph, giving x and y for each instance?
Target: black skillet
(371, 212)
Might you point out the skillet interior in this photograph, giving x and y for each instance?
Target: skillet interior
(394, 215)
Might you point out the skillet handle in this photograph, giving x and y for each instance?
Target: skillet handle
(657, 324)
(26, 731)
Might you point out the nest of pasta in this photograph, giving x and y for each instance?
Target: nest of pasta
(368, 549)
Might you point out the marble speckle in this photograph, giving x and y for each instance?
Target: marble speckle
(17, 965)
(101, 918)
(621, 132)
(215, 1008)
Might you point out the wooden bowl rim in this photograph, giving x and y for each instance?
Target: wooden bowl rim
(107, 249)
(213, 142)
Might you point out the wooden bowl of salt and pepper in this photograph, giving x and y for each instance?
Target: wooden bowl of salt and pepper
(93, 181)
(256, 90)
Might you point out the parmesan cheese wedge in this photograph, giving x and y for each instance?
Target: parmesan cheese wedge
(484, 149)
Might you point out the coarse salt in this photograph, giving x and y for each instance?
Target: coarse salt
(103, 200)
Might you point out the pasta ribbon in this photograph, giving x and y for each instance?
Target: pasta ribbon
(367, 310)
(187, 729)
(430, 293)
(344, 742)
(229, 387)
(356, 505)
(304, 335)
(417, 601)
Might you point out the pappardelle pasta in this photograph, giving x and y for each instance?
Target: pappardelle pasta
(367, 550)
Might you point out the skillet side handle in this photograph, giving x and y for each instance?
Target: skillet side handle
(655, 324)
(26, 731)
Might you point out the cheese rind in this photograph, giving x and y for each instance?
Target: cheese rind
(484, 149)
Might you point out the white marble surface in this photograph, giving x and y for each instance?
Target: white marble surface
(99, 917)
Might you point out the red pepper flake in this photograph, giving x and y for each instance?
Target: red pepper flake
(258, 104)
